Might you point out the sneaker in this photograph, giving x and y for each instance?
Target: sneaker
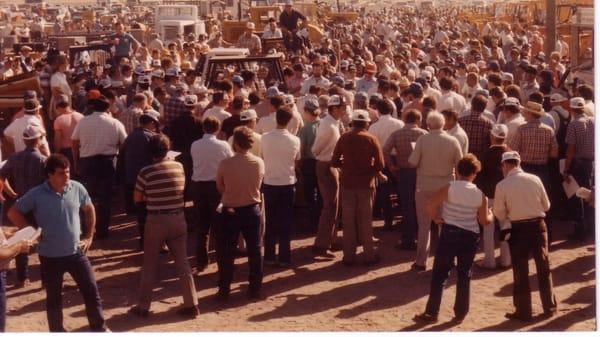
(425, 318)
(135, 310)
(322, 252)
(548, 313)
(190, 312)
(517, 316)
(458, 319)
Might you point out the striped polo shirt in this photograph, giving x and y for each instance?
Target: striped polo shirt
(162, 184)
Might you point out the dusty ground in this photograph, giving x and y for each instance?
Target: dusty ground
(314, 295)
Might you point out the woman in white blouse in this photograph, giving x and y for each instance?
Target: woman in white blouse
(464, 208)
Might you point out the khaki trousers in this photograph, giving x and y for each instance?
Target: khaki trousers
(357, 216)
(329, 185)
(172, 229)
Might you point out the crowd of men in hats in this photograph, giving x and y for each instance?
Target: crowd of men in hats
(466, 127)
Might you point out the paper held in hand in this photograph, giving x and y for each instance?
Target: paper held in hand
(570, 187)
(27, 233)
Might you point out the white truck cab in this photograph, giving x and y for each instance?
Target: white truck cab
(172, 20)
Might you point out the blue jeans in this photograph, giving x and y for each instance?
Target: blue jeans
(2, 300)
(80, 269)
(407, 182)
(279, 209)
(583, 215)
(229, 225)
(98, 177)
(462, 244)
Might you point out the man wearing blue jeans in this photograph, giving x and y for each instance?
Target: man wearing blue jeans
(280, 151)
(56, 204)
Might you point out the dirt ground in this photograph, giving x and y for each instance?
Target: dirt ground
(321, 295)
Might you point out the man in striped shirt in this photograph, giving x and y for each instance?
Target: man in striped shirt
(161, 186)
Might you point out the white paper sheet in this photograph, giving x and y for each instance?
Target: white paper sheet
(570, 187)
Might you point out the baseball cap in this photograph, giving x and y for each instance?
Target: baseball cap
(370, 67)
(336, 100)
(557, 98)
(152, 114)
(577, 103)
(140, 70)
(93, 94)
(499, 131)
(156, 63)
(344, 64)
(426, 75)
(105, 83)
(512, 101)
(237, 79)
(33, 131)
(534, 107)
(202, 90)
(182, 87)
(288, 99)
(158, 73)
(508, 77)
(511, 155)
(311, 105)
(415, 88)
(186, 65)
(250, 25)
(360, 116)
(29, 94)
(32, 105)
(247, 115)
(338, 80)
(26, 48)
(361, 96)
(172, 72)
(144, 80)
(289, 2)
(272, 92)
(190, 100)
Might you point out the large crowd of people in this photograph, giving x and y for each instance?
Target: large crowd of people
(471, 128)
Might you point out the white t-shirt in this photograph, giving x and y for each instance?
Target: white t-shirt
(59, 80)
(280, 150)
(16, 128)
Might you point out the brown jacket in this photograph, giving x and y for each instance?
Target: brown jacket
(359, 156)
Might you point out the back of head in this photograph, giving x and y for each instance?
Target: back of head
(435, 121)
(283, 116)
(242, 138)
(412, 116)
(468, 165)
(478, 103)
(384, 107)
(159, 145)
(211, 125)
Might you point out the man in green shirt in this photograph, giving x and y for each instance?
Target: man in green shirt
(308, 162)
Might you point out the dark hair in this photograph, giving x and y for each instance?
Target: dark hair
(384, 107)
(224, 85)
(218, 97)
(276, 101)
(283, 116)
(586, 92)
(56, 161)
(450, 114)
(478, 103)
(497, 92)
(242, 137)
(537, 97)
(513, 91)
(468, 165)
(159, 145)
(62, 104)
(211, 124)
(253, 98)
(238, 102)
(495, 79)
(446, 83)
(313, 89)
(412, 116)
(430, 103)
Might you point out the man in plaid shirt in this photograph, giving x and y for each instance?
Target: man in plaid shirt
(579, 164)
(174, 106)
(477, 127)
(401, 141)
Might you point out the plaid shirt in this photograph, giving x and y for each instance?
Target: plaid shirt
(174, 107)
(400, 141)
(130, 119)
(534, 141)
(580, 133)
(478, 130)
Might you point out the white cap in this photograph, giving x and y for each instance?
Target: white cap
(512, 101)
(144, 80)
(140, 70)
(289, 2)
(172, 72)
(557, 98)
(250, 25)
(33, 131)
(105, 83)
(158, 73)
(288, 99)
(272, 92)
(511, 155)
(190, 100)
(499, 131)
(577, 103)
(344, 64)
(360, 115)
(247, 115)
(155, 115)
(156, 63)
(508, 77)
(336, 100)
(202, 90)
(481, 64)
(430, 69)
(426, 75)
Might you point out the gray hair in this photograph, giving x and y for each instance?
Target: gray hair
(435, 120)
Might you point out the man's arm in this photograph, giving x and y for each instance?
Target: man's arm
(336, 159)
(89, 214)
(499, 207)
(17, 218)
(75, 147)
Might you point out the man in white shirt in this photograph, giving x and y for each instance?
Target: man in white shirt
(316, 79)
(220, 101)
(522, 200)
(327, 136)
(382, 129)
(272, 32)
(453, 128)
(207, 153)
(280, 151)
(368, 83)
(97, 139)
(512, 117)
(450, 100)
(14, 131)
(269, 122)
(248, 118)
